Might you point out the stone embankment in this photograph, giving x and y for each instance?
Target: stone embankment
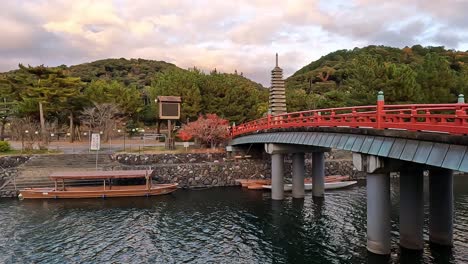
(190, 170)
(23, 171)
(8, 172)
(12, 161)
(207, 170)
(195, 170)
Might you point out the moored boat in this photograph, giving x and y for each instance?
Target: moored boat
(249, 182)
(257, 184)
(98, 191)
(327, 185)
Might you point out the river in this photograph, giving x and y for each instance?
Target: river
(215, 225)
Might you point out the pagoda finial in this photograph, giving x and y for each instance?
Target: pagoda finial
(276, 59)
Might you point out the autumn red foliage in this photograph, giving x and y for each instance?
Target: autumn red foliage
(184, 136)
(209, 129)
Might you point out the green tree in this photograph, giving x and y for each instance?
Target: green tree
(462, 80)
(437, 80)
(233, 97)
(179, 83)
(401, 85)
(127, 98)
(7, 112)
(50, 88)
(7, 103)
(367, 75)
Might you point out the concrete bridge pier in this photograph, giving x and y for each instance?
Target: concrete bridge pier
(378, 213)
(277, 175)
(277, 152)
(441, 207)
(298, 171)
(411, 207)
(318, 174)
(378, 202)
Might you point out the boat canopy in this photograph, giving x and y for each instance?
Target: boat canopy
(87, 175)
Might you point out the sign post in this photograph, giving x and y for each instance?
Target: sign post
(169, 109)
(96, 145)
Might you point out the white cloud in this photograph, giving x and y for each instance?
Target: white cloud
(227, 35)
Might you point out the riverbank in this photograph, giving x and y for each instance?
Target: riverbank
(217, 169)
(189, 170)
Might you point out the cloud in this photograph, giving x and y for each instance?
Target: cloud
(400, 22)
(227, 35)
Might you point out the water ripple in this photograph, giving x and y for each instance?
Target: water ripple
(223, 225)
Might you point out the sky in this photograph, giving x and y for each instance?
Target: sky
(241, 35)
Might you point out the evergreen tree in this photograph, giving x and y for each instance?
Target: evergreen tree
(179, 83)
(128, 99)
(437, 80)
(50, 88)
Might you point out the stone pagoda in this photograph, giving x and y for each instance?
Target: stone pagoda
(277, 103)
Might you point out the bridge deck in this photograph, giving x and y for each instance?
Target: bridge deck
(450, 156)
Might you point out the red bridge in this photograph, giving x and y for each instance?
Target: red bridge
(441, 118)
(413, 140)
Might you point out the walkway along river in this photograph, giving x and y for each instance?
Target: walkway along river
(214, 225)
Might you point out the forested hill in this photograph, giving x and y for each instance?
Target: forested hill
(352, 77)
(137, 72)
(230, 95)
(132, 85)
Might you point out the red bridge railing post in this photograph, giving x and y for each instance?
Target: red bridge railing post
(380, 109)
(268, 121)
(461, 112)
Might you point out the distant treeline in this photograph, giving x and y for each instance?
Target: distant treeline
(353, 77)
(131, 85)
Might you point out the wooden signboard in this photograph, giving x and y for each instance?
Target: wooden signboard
(169, 107)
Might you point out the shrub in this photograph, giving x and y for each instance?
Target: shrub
(209, 129)
(4, 146)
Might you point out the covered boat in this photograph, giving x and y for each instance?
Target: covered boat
(98, 191)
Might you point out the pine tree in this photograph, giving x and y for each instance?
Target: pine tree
(51, 87)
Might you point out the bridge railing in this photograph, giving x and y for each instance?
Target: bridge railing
(439, 118)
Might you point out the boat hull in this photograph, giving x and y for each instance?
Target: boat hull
(97, 192)
(250, 182)
(257, 184)
(327, 186)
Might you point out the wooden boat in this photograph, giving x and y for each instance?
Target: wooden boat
(102, 191)
(255, 187)
(327, 185)
(257, 184)
(249, 182)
